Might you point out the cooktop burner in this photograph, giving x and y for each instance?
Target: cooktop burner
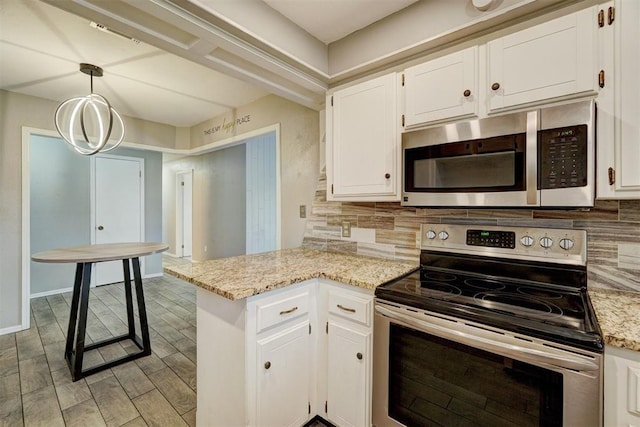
(534, 296)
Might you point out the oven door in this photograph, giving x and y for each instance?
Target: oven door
(435, 370)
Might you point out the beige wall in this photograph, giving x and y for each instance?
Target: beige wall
(299, 136)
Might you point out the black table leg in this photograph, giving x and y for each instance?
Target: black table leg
(74, 355)
(128, 298)
(71, 330)
(142, 311)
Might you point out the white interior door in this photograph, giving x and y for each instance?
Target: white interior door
(184, 211)
(118, 208)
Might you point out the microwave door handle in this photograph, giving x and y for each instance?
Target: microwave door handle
(532, 158)
(513, 351)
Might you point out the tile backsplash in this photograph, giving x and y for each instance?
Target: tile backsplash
(388, 230)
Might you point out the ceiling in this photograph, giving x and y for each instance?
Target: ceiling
(331, 20)
(42, 45)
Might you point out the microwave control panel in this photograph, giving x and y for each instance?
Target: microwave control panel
(562, 157)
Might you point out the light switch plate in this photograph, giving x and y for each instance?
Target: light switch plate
(346, 229)
(303, 211)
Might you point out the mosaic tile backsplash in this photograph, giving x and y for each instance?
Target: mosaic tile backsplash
(388, 230)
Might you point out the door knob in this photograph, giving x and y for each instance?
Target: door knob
(100, 227)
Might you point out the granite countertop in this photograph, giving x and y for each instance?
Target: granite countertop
(243, 276)
(618, 314)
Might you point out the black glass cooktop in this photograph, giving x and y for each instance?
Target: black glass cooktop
(535, 299)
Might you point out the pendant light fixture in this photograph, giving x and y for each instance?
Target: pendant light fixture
(89, 123)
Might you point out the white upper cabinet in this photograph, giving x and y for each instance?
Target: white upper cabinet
(363, 142)
(550, 60)
(441, 89)
(618, 173)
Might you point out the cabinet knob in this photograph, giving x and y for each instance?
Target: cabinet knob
(495, 86)
(359, 356)
(100, 227)
(467, 93)
(387, 175)
(267, 365)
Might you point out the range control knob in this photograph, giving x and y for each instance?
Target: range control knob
(546, 242)
(443, 235)
(526, 241)
(431, 234)
(566, 244)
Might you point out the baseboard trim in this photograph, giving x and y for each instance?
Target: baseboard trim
(12, 329)
(52, 292)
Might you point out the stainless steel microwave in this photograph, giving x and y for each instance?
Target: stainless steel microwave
(538, 158)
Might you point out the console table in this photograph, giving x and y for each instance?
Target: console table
(85, 257)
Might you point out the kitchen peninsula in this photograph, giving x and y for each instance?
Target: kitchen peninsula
(285, 335)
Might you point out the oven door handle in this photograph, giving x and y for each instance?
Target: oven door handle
(516, 352)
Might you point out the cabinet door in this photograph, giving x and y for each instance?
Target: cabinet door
(348, 379)
(621, 387)
(363, 149)
(442, 89)
(619, 104)
(283, 374)
(550, 60)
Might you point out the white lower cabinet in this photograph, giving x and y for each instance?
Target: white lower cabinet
(280, 358)
(349, 331)
(284, 370)
(279, 346)
(621, 387)
(349, 363)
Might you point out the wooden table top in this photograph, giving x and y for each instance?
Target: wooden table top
(98, 253)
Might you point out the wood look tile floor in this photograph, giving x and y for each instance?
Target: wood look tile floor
(157, 390)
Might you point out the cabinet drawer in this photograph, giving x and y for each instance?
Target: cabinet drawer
(286, 308)
(350, 306)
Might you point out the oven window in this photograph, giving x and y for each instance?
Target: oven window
(433, 381)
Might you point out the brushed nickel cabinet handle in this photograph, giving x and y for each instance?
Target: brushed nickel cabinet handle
(291, 310)
(467, 93)
(495, 86)
(359, 356)
(267, 365)
(342, 307)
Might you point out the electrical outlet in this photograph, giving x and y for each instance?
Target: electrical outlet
(346, 229)
(303, 211)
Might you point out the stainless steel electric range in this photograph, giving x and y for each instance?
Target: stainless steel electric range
(494, 328)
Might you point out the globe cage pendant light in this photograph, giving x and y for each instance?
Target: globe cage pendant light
(91, 116)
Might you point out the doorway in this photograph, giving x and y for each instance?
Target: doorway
(184, 214)
(117, 196)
